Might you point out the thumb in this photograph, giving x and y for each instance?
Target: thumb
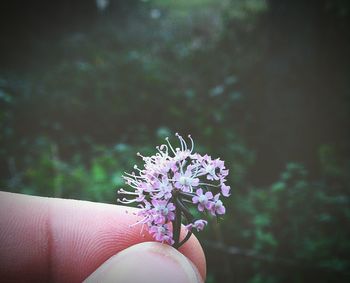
(144, 263)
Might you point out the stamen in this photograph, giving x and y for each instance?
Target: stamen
(165, 151)
(183, 143)
(126, 201)
(172, 149)
(132, 175)
(139, 222)
(138, 169)
(192, 143)
(140, 155)
(124, 192)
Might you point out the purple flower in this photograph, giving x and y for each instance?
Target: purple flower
(185, 181)
(163, 211)
(162, 233)
(164, 188)
(198, 224)
(168, 181)
(202, 199)
(217, 206)
(210, 167)
(225, 190)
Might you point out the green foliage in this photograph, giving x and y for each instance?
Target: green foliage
(48, 174)
(296, 223)
(233, 73)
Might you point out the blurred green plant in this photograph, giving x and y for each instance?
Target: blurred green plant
(294, 224)
(76, 111)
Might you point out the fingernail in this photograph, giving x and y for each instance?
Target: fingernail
(147, 262)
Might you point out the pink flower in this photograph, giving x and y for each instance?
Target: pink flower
(225, 190)
(185, 181)
(167, 180)
(217, 206)
(164, 188)
(202, 199)
(198, 224)
(163, 211)
(162, 233)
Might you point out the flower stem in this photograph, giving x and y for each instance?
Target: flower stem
(182, 209)
(189, 219)
(176, 225)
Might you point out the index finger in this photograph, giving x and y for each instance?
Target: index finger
(59, 240)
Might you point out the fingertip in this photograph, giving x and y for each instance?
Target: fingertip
(66, 240)
(147, 262)
(194, 251)
(94, 232)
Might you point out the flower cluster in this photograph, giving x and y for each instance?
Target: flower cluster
(169, 182)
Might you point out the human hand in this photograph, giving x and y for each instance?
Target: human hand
(58, 240)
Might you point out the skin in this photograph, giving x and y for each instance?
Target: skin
(59, 240)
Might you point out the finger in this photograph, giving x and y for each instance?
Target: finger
(44, 239)
(148, 262)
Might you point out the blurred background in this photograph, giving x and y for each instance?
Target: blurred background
(265, 85)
